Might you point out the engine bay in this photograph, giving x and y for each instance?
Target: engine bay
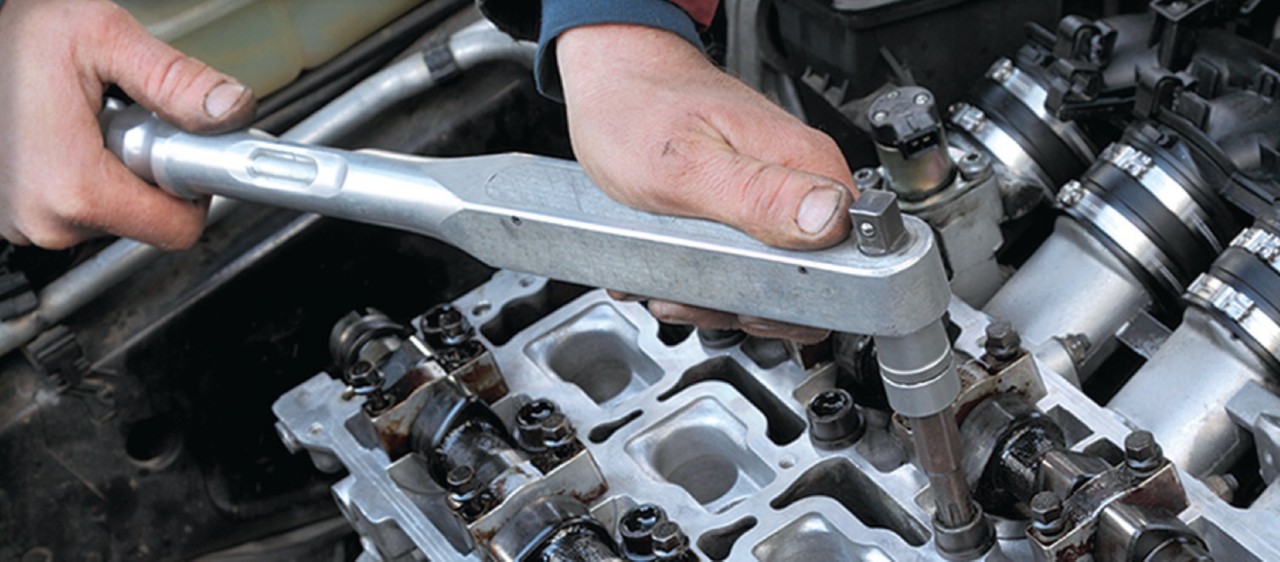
(1094, 379)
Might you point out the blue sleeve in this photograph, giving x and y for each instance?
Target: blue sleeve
(559, 16)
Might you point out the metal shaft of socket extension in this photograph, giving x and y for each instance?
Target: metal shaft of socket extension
(937, 441)
(921, 383)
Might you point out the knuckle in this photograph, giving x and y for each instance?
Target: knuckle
(184, 237)
(766, 193)
(72, 208)
(171, 77)
(50, 236)
(822, 143)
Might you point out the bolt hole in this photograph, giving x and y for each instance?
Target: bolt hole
(803, 270)
(153, 442)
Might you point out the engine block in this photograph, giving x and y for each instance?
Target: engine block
(712, 432)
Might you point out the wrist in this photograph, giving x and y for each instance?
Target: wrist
(597, 52)
(562, 16)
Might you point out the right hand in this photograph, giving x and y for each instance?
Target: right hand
(58, 184)
(660, 128)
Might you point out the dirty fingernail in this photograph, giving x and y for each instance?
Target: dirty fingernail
(818, 209)
(222, 98)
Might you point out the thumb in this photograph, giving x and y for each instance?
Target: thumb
(778, 205)
(180, 89)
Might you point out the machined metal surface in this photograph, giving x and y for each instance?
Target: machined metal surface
(1181, 395)
(1093, 210)
(718, 441)
(1094, 295)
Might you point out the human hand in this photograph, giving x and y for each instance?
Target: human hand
(661, 129)
(58, 184)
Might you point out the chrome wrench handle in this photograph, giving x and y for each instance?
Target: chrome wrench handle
(544, 216)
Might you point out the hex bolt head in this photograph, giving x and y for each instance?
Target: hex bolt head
(669, 540)
(556, 431)
(1046, 514)
(1003, 342)
(834, 420)
(867, 179)
(1141, 452)
(973, 166)
(636, 529)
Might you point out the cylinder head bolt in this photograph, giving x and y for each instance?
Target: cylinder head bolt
(834, 420)
(670, 544)
(1046, 515)
(542, 427)
(911, 142)
(636, 529)
(1003, 342)
(1142, 454)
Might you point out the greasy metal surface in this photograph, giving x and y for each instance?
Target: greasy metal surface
(711, 436)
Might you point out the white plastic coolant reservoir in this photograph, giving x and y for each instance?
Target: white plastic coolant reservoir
(264, 43)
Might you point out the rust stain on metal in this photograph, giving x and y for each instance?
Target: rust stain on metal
(482, 376)
(1075, 552)
(588, 496)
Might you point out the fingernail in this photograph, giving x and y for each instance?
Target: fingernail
(221, 98)
(818, 209)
